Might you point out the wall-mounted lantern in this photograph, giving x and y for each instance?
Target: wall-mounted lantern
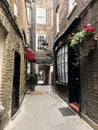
(45, 45)
(48, 52)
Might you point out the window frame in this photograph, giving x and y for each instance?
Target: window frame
(57, 27)
(15, 10)
(72, 6)
(39, 16)
(37, 35)
(57, 19)
(28, 14)
(62, 64)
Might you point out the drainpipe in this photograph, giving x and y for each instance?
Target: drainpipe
(32, 33)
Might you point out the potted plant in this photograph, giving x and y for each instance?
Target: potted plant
(83, 41)
(31, 82)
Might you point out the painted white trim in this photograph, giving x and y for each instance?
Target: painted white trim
(52, 17)
(41, 12)
(57, 22)
(28, 14)
(72, 6)
(39, 34)
(15, 10)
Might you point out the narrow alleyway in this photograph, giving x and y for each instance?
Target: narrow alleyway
(45, 110)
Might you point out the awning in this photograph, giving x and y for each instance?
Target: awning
(30, 55)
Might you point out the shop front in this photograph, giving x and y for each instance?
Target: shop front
(66, 74)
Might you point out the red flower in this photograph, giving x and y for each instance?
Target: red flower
(90, 29)
(87, 25)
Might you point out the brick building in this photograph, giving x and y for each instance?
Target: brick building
(78, 85)
(43, 34)
(13, 30)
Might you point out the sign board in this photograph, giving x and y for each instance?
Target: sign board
(43, 61)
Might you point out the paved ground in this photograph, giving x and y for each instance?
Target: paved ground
(42, 111)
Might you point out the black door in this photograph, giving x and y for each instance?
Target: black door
(16, 82)
(73, 78)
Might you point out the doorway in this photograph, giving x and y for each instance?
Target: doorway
(73, 81)
(40, 75)
(16, 84)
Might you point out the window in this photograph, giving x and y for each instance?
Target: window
(57, 19)
(62, 64)
(57, 22)
(52, 17)
(41, 16)
(15, 10)
(39, 40)
(28, 14)
(72, 5)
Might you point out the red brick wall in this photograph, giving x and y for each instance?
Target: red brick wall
(89, 72)
(89, 65)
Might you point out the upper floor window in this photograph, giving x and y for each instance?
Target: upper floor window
(41, 16)
(39, 39)
(72, 5)
(57, 19)
(52, 17)
(28, 14)
(15, 10)
(62, 64)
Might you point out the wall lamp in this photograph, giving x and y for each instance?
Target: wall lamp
(45, 44)
(48, 53)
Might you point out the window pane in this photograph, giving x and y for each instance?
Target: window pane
(41, 15)
(62, 64)
(40, 20)
(66, 77)
(66, 67)
(28, 14)
(62, 68)
(39, 42)
(71, 4)
(66, 58)
(63, 77)
(60, 77)
(58, 69)
(62, 49)
(62, 58)
(66, 49)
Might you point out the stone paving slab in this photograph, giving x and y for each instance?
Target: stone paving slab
(41, 112)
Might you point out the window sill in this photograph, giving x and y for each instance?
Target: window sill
(69, 14)
(41, 24)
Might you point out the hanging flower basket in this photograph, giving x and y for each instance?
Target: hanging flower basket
(83, 42)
